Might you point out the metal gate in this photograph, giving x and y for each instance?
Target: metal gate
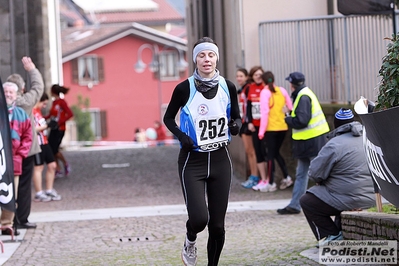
(340, 56)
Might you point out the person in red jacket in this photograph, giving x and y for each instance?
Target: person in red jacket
(21, 141)
(161, 135)
(253, 113)
(245, 134)
(58, 115)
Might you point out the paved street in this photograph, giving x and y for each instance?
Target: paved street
(125, 207)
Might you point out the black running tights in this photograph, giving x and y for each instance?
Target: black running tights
(205, 179)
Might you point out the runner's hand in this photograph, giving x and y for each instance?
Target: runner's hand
(187, 143)
(234, 128)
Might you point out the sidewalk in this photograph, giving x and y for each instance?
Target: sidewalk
(128, 236)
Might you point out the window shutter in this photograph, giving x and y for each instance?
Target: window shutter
(103, 123)
(75, 71)
(100, 69)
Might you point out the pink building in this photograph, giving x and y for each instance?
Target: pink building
(127, 71)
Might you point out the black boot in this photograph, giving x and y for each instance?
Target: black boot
(16, 223)
(8, 231)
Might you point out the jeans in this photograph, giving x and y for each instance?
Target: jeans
(301, 182)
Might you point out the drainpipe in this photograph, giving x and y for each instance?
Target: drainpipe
(333, 67)
(393, 17)
(26, 29)
(330, 7)
(12, 37)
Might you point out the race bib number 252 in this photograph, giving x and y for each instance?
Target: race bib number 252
(212, 130)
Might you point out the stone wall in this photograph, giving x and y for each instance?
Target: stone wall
(365, 225)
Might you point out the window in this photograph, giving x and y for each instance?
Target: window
(88, 69)
(168, 61)
(98, 123)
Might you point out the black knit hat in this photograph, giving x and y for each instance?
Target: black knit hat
(342, 117)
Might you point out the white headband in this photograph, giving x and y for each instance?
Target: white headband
(205, 46)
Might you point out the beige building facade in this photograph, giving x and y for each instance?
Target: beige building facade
(234, 25)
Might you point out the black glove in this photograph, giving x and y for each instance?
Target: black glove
(53, 124)
(234, 128)
(187, 143)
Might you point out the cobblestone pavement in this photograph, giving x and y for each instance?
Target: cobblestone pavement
(148, 177)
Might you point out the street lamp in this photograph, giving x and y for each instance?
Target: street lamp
(155, 66)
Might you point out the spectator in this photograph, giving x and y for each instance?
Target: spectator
(245, 134)
(209, 115)
(309, 128)
(343, 180)
(139, 135)
(27, 100)
(21, 139)
(274, 103)
(256, 85)
(161, 135)
(58, 115)
(46, 156)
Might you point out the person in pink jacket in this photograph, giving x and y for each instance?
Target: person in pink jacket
(275, 103)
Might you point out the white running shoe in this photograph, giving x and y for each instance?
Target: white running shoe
(53, 195)
(269, 188)
(286, 182)
(261, 185)
(189, 254)
(42, 197)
